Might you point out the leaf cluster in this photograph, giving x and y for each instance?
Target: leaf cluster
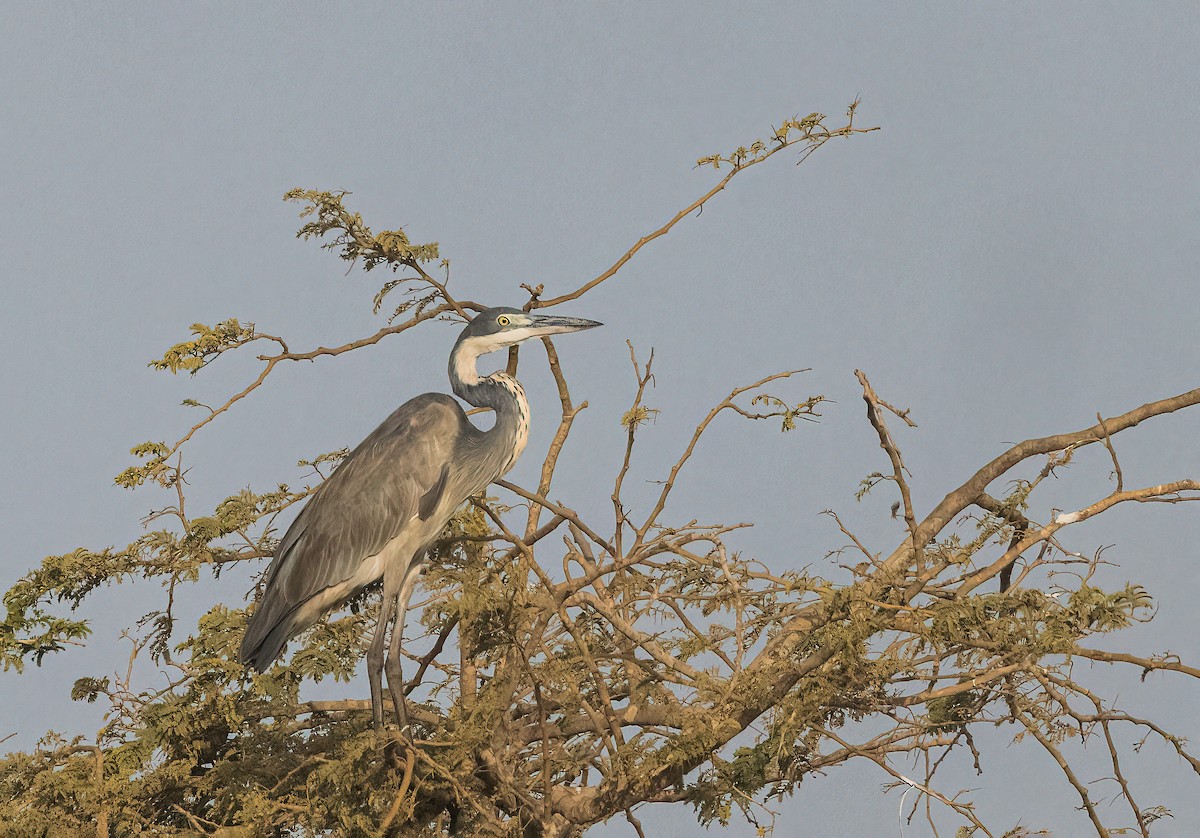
(209, 342)
(353, 239)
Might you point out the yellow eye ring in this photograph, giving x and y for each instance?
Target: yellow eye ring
(503, 320)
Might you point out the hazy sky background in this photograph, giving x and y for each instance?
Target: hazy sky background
(1014, 251)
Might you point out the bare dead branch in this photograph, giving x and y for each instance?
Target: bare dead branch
(962, 497)
(886, 442)
(813, 140)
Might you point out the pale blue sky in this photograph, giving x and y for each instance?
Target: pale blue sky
(1014, 251)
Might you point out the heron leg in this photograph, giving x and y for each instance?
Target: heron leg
(375, 659)
(395, 677)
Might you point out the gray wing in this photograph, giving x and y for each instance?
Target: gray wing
(398, 471)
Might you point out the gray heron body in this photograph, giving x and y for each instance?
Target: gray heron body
(385, 504)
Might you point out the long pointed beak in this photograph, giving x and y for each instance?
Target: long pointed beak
(554, 324)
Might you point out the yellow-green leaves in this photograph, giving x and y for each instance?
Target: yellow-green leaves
(154, 453)
(354, 239)
(953, 709)
(209, 341)
(89, 689)
(639, 415)
(27, 629)
(810, 128)
(787, 413)
(149, 449)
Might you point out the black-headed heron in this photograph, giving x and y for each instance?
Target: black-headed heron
(385, 504)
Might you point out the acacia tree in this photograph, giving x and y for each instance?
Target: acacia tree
(567, 671)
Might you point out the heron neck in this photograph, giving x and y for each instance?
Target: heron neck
(499, 391)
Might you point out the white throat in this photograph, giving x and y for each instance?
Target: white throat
(471, 349)
(464, 364)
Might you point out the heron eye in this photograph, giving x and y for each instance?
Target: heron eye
(503, 320)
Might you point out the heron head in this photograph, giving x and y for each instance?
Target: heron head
(497, 328)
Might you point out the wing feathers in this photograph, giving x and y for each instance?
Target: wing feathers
(429, 500)
(399, 471)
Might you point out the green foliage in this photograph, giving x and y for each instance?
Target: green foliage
(32, 632)
(330, 458)
(952, 709)
(209, 342)
(788, 413)
(354, 240)
(89, 689)
(155, 454)
(31, 629)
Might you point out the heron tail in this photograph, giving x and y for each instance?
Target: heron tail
(267, 633)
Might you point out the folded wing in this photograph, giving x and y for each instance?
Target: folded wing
(396, 474)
